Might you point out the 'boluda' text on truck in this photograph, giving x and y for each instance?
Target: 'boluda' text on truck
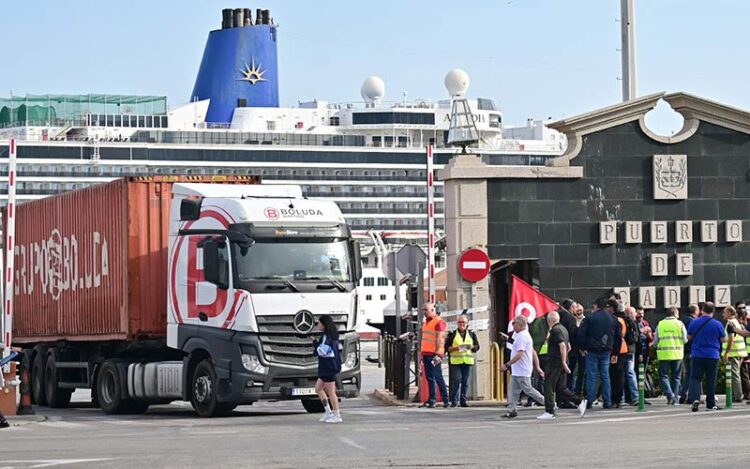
(149, 290)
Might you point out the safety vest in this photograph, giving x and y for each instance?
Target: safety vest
(738, 347)
(623, 331)
(465, 357)
(671, 344)
(430, 337)
(545, 346)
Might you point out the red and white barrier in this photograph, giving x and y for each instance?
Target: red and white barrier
(9, 231)
(430, 225)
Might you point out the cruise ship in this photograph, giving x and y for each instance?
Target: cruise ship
(369, 155)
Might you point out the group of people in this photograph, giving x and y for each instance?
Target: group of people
(596, 357)
(606, 347)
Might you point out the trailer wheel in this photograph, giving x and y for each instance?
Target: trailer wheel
(57, 397)
(203, 391)
(313, 406)
(37, 379)
(109, 388)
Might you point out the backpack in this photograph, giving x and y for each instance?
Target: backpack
(631, 332)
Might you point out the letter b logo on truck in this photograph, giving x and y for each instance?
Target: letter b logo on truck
(192, 299)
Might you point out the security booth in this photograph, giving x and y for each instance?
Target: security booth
(662, 220)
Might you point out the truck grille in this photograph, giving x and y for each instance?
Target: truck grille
(282, 343)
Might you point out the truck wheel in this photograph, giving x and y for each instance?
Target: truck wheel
(37, 380)
(109, 387)
(56, 396)
(313, 406)
(203, 391)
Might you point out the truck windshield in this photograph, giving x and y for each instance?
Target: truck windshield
(296, 260)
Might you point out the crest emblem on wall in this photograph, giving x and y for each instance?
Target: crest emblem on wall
(670, 177)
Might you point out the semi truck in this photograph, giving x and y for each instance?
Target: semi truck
(149, 290)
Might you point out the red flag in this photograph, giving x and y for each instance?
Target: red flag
(528, 301)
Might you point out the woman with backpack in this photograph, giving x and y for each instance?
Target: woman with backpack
(329, 365)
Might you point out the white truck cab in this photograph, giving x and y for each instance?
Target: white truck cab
(251, 268)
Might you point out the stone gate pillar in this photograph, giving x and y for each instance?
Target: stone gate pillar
(465, 189)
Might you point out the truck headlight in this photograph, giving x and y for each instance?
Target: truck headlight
(352, 358)
(253, 365)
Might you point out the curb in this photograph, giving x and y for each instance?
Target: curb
(22, 420)
(386, 397)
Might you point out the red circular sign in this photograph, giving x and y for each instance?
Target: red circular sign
(474, 265)
(272, 213)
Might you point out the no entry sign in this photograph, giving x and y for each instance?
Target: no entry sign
(474, 265)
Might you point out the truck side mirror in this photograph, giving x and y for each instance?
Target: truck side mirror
(216, 262)
(354, 246)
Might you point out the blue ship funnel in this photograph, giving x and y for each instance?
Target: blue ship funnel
(239, 66)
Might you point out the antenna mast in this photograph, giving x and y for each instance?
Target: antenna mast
(627, 25)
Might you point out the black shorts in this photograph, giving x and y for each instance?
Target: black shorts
(328, 379)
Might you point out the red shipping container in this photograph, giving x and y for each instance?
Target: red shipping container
(92, 264)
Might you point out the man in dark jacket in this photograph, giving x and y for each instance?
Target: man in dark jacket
(599, 335)
(461, 344)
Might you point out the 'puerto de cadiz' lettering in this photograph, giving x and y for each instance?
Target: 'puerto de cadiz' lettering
(54, 265)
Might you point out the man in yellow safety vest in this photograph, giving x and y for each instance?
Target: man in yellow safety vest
(670, 340)
(734, 350)
(462, 345)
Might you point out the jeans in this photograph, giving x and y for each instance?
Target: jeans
(578, 373)
(700, 367)
(520, 384)
(685, 377)
(735, 363)
(631, 382)
(671, 368)
(617, 377)
(597, 366)
(555, 386)
(434, 374)
(459, 379)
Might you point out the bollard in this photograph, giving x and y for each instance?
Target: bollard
(728, 383)
(641, 387)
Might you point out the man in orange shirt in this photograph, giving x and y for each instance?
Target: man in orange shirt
(432, 350)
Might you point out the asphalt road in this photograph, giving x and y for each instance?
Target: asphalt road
(280, 435)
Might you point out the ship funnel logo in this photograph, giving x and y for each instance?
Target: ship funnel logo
(252, 73)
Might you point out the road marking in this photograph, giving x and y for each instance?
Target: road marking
(56, 462)
(351, 443)
(61, 424)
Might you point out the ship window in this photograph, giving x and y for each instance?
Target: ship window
(141, 121)
(368, 297)
(382, 297)
(118, 121)
(369, 282)
(149, 121)
(382, 282)
(110, 120)
(334, 121)
(270, 126)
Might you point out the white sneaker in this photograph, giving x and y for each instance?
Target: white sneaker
(325, 416)
(546, 416)
(334, 419)
(582, 407)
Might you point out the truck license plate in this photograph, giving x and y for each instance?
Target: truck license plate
(303, 391)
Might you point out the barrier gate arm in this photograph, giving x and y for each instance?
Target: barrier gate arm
(9, 232)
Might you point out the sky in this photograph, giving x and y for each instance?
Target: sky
(535, 58)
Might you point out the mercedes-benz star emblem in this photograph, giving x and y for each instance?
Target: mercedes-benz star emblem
(304, 321)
